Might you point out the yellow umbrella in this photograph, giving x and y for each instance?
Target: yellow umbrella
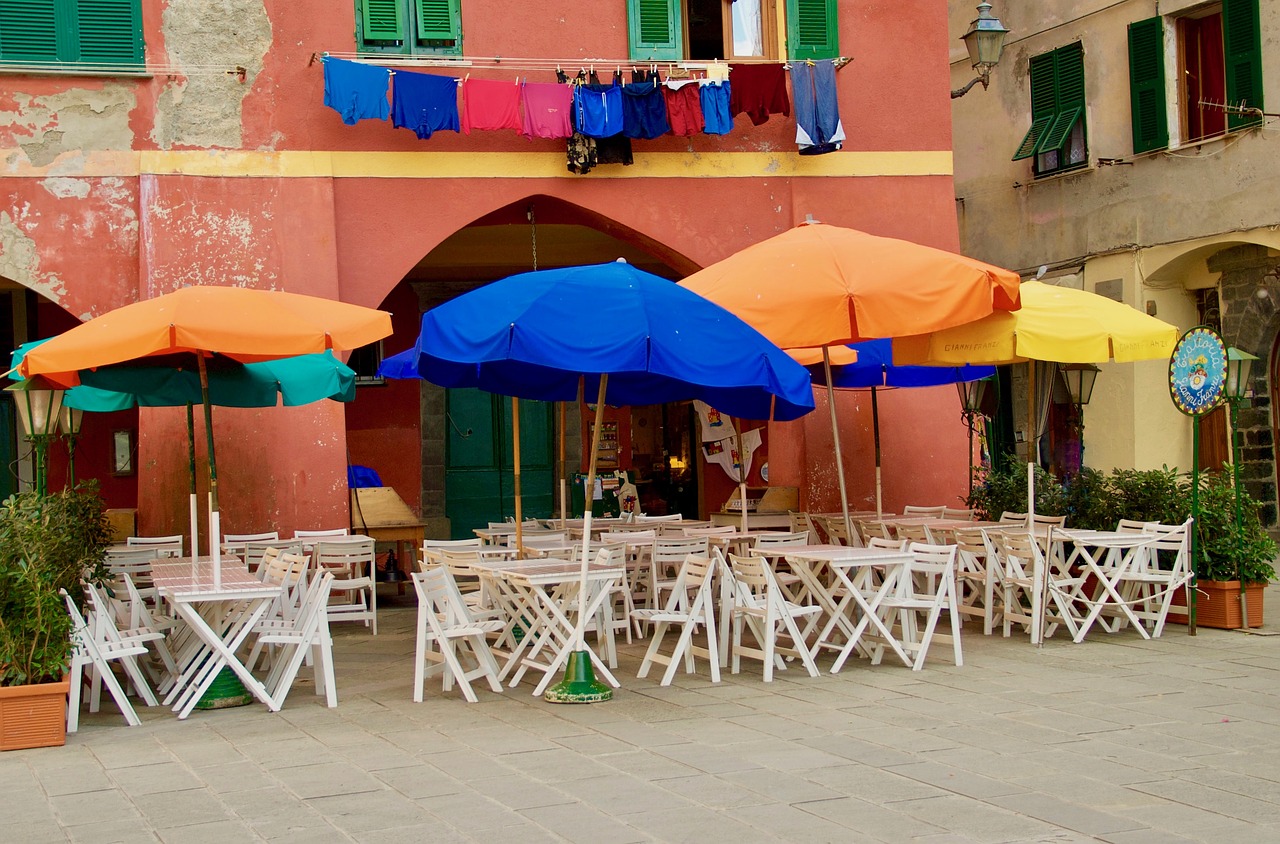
(1057, 324)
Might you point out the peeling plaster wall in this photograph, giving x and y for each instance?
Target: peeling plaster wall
(204, 109)
(44, 126)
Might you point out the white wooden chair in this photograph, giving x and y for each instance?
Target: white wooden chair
(352, 565)
(234, 543)
(917, 511)
(1042, 526)
(95, 653)
(1166, 568)
(714, 530)
(965, 513)
(669, 553)
(1135, 526)
(1008, 517)
(1021, 560)
(926, 588)
(305, 635)
(134, 621)
(135, 563)
(446, 633)
(255, 549)
(671, 517)
(910, 532)
(884, 543)
(165, 546)
(637, 556)
(431, 548)
(977, 577)
(799, 521)
(762, 606)
(689, 606)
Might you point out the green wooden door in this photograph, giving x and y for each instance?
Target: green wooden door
(479, 475)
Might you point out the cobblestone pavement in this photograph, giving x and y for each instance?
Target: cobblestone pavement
(1117, 739)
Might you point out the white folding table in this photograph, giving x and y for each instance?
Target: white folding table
(1108, 556)
(221, 620)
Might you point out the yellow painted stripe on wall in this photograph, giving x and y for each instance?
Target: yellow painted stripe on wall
(468, 165)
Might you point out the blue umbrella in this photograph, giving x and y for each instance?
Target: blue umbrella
(632, 337)
(875, 369)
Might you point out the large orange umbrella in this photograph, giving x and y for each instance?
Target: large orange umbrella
(819, 286)
(244, 324)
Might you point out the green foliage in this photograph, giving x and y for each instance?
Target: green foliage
(1151, 495)
(1090, 504)
(1224, 552)
(1005, 489)
(46, 544)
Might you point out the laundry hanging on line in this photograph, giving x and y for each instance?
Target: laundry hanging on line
(818, 127)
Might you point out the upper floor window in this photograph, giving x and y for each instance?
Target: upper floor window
(702, 30)
(1056, 139)
(101, 33)
(409, 26)
(1219, 67)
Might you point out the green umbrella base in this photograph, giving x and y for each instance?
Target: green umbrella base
(225, 691)
(579, 684)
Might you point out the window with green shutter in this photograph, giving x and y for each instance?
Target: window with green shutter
(655, 29)
(101, 33)
(1146, 85)
(1242, 49)
(1056, 139)
(811, 29)
(431, 27)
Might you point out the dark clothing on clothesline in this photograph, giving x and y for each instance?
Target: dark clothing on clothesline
(759, 90)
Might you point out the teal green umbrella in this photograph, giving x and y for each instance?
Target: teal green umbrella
(171, 381)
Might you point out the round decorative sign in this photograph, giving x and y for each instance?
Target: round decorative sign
(1198, 371)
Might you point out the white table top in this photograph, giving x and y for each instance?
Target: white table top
(846, 554)
(181, 578)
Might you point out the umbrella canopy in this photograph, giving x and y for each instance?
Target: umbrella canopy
(534, 335)
(1059, 324)
(820, 285)
(298, 380)
(241, 323)
(874, 367)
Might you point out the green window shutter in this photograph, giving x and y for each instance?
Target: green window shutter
(1044, 104)
(439, 20)
(1068, 66)
(108, 32)
(655, 29)
(28, 32)
(1031, 140)
(1242, 46)
(382, 20)
(812, 32)
(1146, 85)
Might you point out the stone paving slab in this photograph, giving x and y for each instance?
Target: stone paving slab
(1117, 740)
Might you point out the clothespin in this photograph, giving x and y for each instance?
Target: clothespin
(809, 62)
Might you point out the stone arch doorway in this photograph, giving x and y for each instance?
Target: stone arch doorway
(416, 434)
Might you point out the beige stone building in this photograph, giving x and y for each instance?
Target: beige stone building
(1126, 148)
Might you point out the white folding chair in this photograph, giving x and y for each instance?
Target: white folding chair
(431, 548)
(916, 511)
(134, 621)
(637, 551)
(761, 606)
(668, 555)
(964, 513)
(255, 549)
(234, 543)
(96, 654)
(689, 606)
(714, 530)
(927, 587)
(1008, 517)
(445, 623)
(910, 532)
(306, 635)
(1021, 562)
(977, 577)
(671, 517)
(352, 565)
(1165, 569)
(165, 546)
(135, 563)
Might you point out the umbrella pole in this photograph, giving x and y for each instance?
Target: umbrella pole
(835, 435)
(564, 486)
(215, 531)
(742, 477)
(515, 457)
(580, 684)
(1040, 575)
(875, 430)
(191, 457)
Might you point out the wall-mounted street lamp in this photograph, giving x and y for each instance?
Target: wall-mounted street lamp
(38, 407)
(1079, 378)
(971, 396)
(985, 43)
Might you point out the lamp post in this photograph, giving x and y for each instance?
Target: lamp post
(985, 43)
(971, 396)
(1080, 378)
(1239, 368)
(69, 421)
(38, 407)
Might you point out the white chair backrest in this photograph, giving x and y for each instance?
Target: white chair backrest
(716, 530)
(346, 560)
(672, 517)
(674, 549)
(430, 552)
(256, 550)
(774, 539)
(695, 576)
(633, 537)
(1135, 526)
(917, 511)
(166, 546)
(437, 589)
(315, 534)
(1018, 553)
(1008, 517)
(1175, 538)
(887, 544)
(134, 562)
(957, 513)
(241, 538)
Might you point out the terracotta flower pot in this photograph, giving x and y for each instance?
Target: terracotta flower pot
(33, 716)
(1218, 604)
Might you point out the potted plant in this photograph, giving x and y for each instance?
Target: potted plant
(1227, 555)
(47, 543)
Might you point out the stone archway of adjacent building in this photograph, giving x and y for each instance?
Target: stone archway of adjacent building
(537, 231)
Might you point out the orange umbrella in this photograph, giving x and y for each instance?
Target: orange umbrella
(244, 324)
(819, 286)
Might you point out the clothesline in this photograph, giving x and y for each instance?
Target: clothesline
(88, 69)
(536, 64)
